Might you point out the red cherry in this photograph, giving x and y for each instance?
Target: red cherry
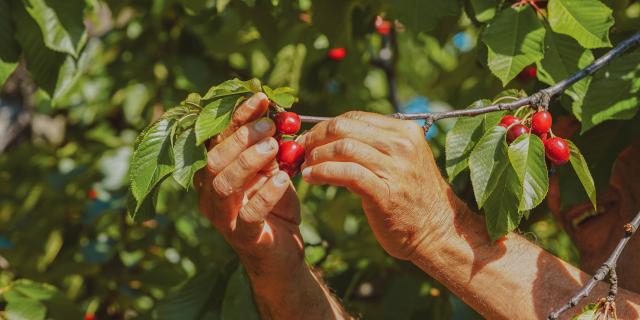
(508, 120)
(337, 53)
(515, 131)
(528, 73)
(557, 150)
(287, 122)
(89, 316)
(544, 137)
(282, 138)
(541, 122)
(383, 27)
(290, 157)
(92, 194)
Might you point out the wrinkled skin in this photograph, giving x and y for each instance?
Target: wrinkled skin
(244, 195)
(395, 174)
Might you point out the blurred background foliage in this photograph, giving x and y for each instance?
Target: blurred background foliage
(83, 77)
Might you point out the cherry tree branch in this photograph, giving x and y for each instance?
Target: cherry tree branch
(606, 269)
(538, 99)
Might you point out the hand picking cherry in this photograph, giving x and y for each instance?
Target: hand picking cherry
(290, 157)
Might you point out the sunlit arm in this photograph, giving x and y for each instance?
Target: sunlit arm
(512, 279)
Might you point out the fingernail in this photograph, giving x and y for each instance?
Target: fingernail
(306, 173)
(255, 100)
(263, 125)
(265, 146)
(281, 178)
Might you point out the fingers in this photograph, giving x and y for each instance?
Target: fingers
(251, 219)
(376, 119)
(230, 148)
(342, 127)
(347, 174)
(350, 150)
(244, 168)
(250, 110)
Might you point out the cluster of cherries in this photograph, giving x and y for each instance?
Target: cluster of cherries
(556, 149)
(291, 153)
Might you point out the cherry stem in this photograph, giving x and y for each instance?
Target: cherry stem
(536, 100)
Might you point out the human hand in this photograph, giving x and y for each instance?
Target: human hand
(389, 163)
(247, 199)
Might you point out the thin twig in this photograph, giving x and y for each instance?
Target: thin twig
(629, 230)
(535, 100)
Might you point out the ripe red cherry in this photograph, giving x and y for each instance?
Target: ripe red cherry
(508, 120)
(290, 157)
(383, 27)
(337, 53)
(516, 131)
(287, 122)
(92, 194)
(557, 150)
(541, 122)
(89, 316)
(528, 73)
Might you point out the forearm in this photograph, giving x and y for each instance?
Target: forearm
(297, 293)
(512, 279)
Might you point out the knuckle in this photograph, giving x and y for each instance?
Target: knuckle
(241, 137)
(403, 143)
(244, 163)
(344, 147)
(336, 127)
(261, 200)
(222, 187)
(248, 214)
(357, 115)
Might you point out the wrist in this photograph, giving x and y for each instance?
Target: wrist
(266, 278)
(450, 218)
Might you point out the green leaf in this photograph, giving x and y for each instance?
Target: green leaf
(484, 10)
(145, 209)
(515, 40)
(238, 298)
(526, 155)
(613, 92)
(25, 309)
(587, 21)
(589, 312)
(214, 118)
(581, 168)
(34, 290)
(189, 158)
(43, 63)
(232, 87)
(10, 49)
(61, 23)
(153, 159)
(459, 142)
(419, 15)
(190, 300)
(283, 96)
(461, 139)
(564, 57)
(487, 161)
(501, 207)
